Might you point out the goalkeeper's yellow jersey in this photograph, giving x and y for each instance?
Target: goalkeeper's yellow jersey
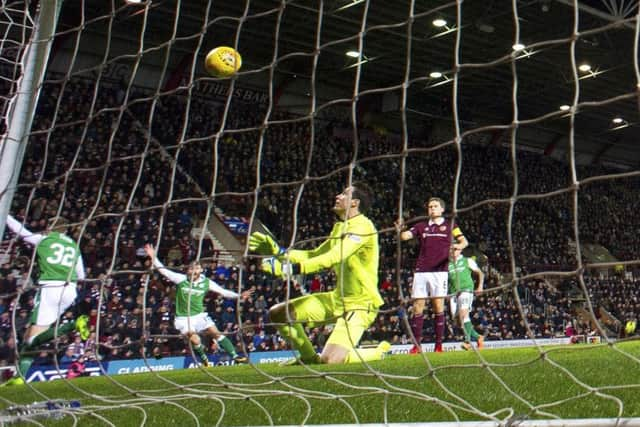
(352, 250)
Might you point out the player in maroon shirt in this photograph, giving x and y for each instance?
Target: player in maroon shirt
(430, 279)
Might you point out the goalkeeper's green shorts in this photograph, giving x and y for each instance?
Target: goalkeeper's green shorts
(322, 308)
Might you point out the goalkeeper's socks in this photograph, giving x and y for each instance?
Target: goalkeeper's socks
(298, 338)
(470, 333)
(227, 345)
(417, 322)
(49, 334)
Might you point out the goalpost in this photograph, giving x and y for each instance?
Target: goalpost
(118, 130)
(31, 51)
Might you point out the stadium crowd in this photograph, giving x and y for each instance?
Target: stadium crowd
(119, 187)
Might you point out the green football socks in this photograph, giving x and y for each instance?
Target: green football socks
(50, 334)
(227, 345)
(25, 364)
(469, 332)
(298, 338)
(199, 351)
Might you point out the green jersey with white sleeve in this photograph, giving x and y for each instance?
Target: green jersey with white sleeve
(190, 295)
(58, 255)
(460, 279)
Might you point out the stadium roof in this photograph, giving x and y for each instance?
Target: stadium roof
(540, 78)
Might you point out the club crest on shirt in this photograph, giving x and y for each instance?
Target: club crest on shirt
(443, 227)
(354, 237)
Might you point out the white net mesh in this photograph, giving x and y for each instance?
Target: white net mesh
(17, 25)
(520, 115)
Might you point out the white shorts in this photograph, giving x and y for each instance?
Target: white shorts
(430, 284)
(197, 323)
(464, 300)
(52, 300)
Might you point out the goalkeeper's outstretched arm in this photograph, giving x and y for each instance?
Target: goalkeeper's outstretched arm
(321, 258)
(264, 244)
(298, 255)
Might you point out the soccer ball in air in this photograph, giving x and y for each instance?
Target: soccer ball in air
(223, 61)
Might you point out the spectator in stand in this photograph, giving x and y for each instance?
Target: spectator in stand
(67, 357)
(76, 368)
(259, 339)
(316, 284)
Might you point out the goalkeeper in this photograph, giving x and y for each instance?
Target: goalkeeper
(352, 251)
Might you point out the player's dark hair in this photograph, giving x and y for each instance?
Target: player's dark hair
(362, 192)
(435, 199)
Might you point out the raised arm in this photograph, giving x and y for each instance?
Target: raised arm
(264, 244)
(356, 236)
(171, 275)
(214, 287)
(26, 235)
(403, 234)
(299, 255)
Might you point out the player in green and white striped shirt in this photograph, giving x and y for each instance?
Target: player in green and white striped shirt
(191, 319)
(60, 264)
(462, 289)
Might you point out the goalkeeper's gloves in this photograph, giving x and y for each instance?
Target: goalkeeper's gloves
(279, 269)
(264, 245)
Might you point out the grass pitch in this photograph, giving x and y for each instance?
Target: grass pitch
(579, 381)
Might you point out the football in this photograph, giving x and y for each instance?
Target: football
(223, 61)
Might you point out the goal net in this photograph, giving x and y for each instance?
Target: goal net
(521, 116)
